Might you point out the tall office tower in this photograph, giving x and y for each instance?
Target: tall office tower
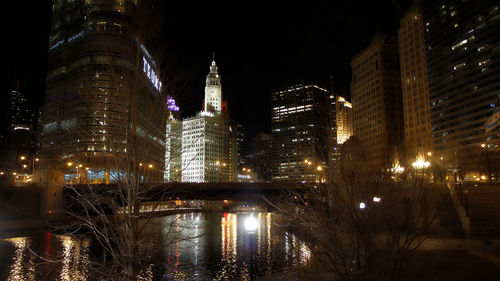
(209, 139)
(20, 114)
(103, 102)
(173, 144)
(344, 119)
(341, 126)
(240, 138)
(20, 138)
(414, 84)
(376, 99)
(463, 60)
(263, 156)
(300, 133)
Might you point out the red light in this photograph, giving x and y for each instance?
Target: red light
(50, 211)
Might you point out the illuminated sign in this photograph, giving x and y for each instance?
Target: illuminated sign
(56, 44)
(171, 104)
(151, 74)
(76, 36)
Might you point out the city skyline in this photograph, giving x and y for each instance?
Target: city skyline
(259, 49)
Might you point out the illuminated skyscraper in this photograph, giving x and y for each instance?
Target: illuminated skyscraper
(414, 84)
(103, 100)
(376, 99)
(463, 58)
(341, 126)
(344, 121)
(173, 144)
(300, 133)
(209, 139)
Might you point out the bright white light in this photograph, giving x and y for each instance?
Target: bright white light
(362, 205)
(377, 199)
(251, 223)
(420, 164)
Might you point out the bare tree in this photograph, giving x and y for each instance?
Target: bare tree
(363, 222)
(124, 122)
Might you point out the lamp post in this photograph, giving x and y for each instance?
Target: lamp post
(320, 170)
(485, 146)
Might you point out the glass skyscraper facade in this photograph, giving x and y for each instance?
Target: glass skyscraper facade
(104, 106)
(463, 58)
(300, 133)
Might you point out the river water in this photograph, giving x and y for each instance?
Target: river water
(194, 246)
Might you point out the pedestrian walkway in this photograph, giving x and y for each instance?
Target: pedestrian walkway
(486, 249)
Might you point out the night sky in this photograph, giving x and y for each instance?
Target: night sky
(259, 48)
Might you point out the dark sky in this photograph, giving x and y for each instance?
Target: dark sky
(259, 47)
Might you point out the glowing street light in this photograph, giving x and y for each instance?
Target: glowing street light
(319, 168)
(429, 153)
(251, 224)
(362, 205)
(69, 164)
(150, 166)
(22, 157)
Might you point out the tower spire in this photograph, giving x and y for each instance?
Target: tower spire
(213, 89)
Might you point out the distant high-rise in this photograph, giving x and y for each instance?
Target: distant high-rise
(213, 91)
(173, 151)
(209, 149)
(344, 119)
(19, 139)
(300, 133)
(341, 126)
(20, 114)
(376, 99)
(240, 139)
(103, 100)
(463, 59)
(263, 156)
(414, 84)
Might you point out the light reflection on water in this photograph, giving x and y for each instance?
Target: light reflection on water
(197, 246)
(23, 266)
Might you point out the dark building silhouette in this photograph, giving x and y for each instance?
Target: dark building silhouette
(263, 156)
(18, 141)
(376, 99)
(414, 86)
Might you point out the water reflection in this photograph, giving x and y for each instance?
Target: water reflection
(23, 267)
(194, 246)
(75, 259)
